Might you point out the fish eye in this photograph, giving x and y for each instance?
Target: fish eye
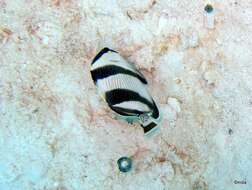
(144, 117)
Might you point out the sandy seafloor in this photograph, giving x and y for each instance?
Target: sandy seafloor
(56, 133)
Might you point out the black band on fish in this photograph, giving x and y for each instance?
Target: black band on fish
(126, 112)
(149, 127)
(104, 50)
(109, 70)
(118, 96)
(155, 113)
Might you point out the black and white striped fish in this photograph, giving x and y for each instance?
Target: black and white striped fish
(124, 89)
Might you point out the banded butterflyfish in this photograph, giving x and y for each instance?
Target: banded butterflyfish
(124, 89)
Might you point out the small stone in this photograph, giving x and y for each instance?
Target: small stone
(178, 81)
(124, 164)
(230, 131)
(209, 8)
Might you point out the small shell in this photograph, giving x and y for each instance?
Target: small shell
(209, 17)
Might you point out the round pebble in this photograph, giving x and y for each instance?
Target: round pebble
(124, 164)
(209, 8)
(230, 131)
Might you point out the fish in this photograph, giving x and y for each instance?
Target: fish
(125, 89)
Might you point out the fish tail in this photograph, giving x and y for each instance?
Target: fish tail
(152, 124)
(150, 128)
